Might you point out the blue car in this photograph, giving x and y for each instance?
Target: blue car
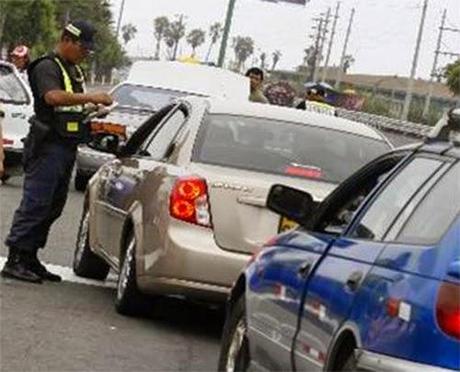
(370, 280)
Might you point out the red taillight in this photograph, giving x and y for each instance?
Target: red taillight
(448, 309)
(7, 141)
(303, 171)
(189, 201)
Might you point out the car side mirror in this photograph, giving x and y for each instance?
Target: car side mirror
(108, 143)
(292, 203)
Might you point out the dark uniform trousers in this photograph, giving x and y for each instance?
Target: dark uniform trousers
(46, 183)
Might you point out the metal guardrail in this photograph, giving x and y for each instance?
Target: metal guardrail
(386, 124)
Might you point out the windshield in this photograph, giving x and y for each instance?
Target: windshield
(149, 98)
(11, 89)
(284, 148)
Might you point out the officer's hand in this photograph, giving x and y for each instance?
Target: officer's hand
(101, 99)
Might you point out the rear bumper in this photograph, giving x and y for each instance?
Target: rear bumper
(191, 264)
(369, 361)
(89, 160)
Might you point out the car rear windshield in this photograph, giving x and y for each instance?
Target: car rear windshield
(284, 148)
(144, 97)
(11, 90)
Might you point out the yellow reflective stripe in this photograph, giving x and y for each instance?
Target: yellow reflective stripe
(67, 82)
(68, 88)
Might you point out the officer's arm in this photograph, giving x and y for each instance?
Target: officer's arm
(63, 98)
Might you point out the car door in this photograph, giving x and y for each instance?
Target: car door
(332, 288)
(276, 295)
(119, 180)
(283, 271)
(411, 292)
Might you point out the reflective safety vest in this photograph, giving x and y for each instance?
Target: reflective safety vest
(69, 118)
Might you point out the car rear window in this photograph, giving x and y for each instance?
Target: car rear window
(284, 148)
(11, 90)
(145, 97)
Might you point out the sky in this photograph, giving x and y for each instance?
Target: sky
(382, 41)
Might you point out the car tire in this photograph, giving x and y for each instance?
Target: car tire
(80, 181)
(130, 301)
(86, 263)
(350, 364)
(234, 354)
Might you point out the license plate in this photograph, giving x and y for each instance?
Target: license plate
(286, 224)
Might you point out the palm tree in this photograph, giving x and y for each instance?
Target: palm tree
(128, 32)
(215, 32)
(243, 47)
(174, 33)
(160, 25)
(276, 58)
(196, 38)
(263, 60)
(348, 61)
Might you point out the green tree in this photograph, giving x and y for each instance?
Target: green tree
(196, 38)
(174, 33)
(109, 53)
(349, 60)
(452, 75)
(215, 32)
(263, 60)
(276, 58)
(243, 48)
(160, 27)
(40, 35)
(128, 32)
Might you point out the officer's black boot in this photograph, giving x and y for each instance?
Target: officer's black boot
(17, 267)
(38, 268)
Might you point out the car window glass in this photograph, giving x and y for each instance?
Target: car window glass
(158, 144)
(394, 197)
(151, 98)
(284, 148)
(435, 213)
(11, 89)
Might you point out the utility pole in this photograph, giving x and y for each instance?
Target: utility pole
(324, 33)
(331, 43)
(120, 17)
(314, 72)
(226, 33)
(438, 52)
(410, 86)
(344, 51)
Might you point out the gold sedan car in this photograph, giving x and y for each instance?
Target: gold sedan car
(182, 207)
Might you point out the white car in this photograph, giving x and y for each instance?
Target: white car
(150, 86)
(16, 102)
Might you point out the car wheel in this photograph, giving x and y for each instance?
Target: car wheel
(80, 181)
(350, 364)
(234, 354)
(130, 301)
(86, 263)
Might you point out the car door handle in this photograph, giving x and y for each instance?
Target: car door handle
(305, 268)
(253, 201)
(354, 280)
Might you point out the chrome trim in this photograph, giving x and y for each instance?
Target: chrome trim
(369, 361)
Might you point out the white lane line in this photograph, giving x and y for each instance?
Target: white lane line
(68, 276)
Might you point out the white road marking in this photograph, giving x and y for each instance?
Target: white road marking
(68, 276)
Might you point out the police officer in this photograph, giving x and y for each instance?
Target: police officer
(57, 84)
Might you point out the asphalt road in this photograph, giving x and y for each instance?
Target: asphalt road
(74, 327)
